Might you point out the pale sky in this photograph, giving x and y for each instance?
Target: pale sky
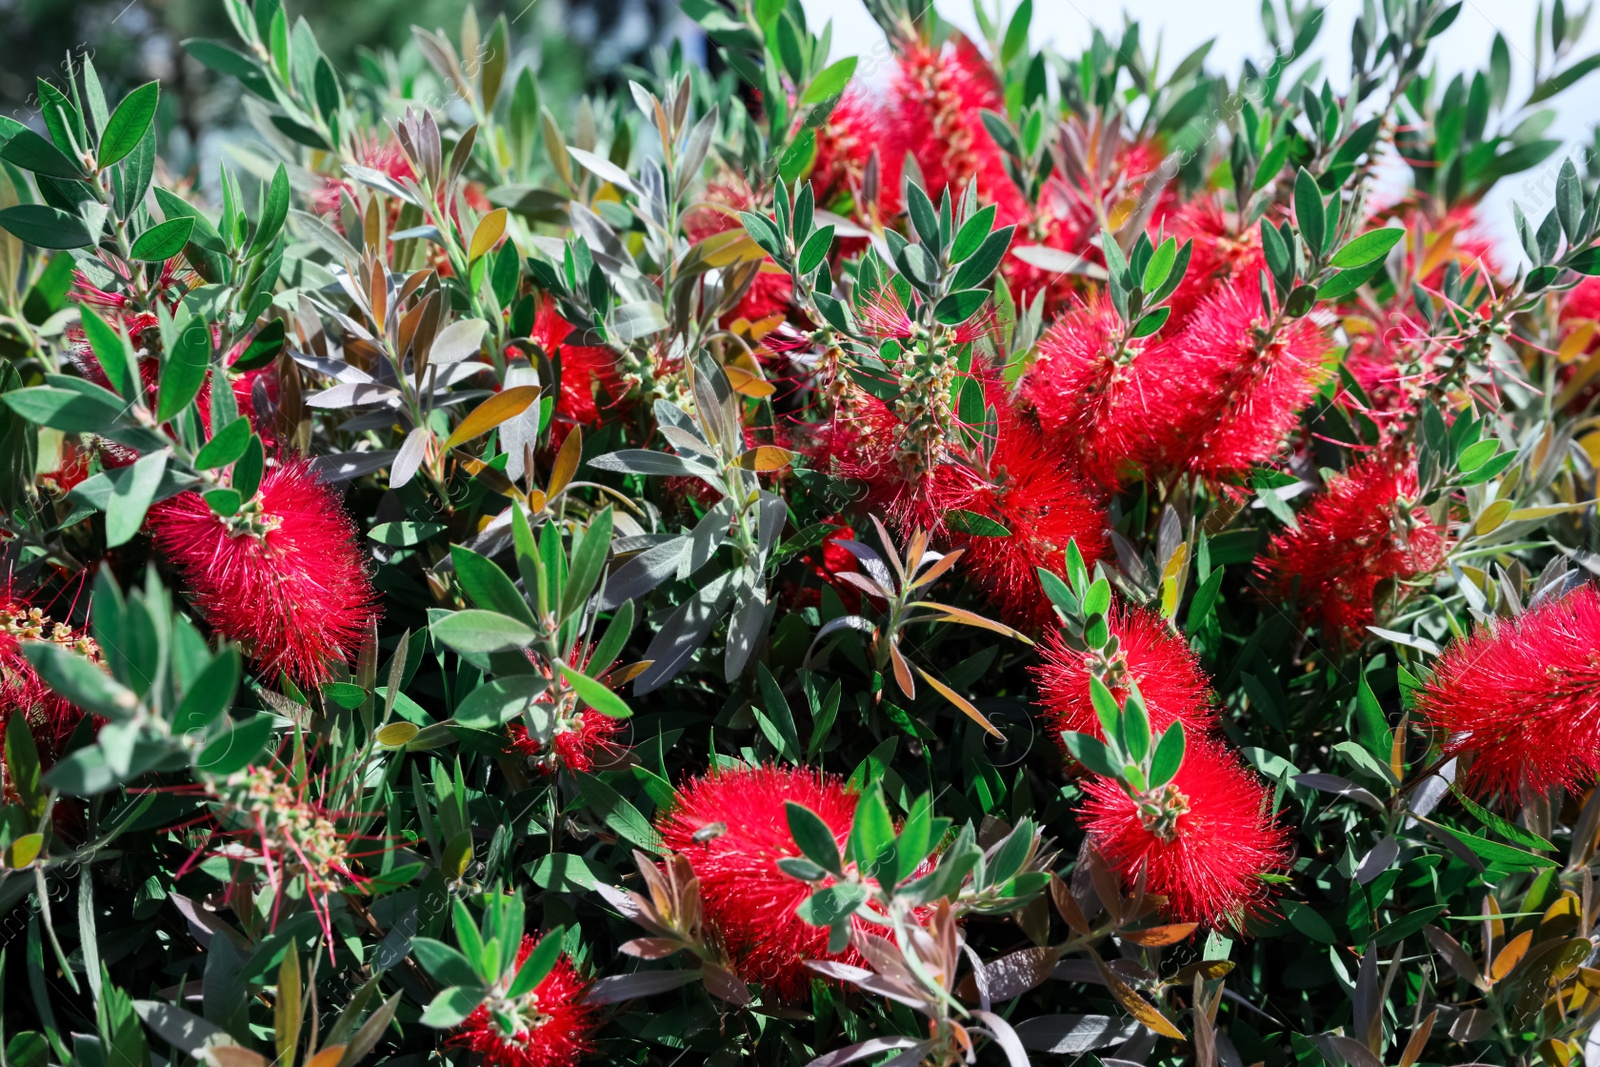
(1236, 24)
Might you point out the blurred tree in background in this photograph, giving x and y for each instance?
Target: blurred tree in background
(578, 45)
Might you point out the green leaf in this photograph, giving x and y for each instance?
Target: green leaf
(1309, 211)
(210, 694)
(960, 306)
(1306, 919)
(1092, 753)
(90, 411)
(1346, 282)
(815, 840)
(225, 446)
(970, 237)
(112, 351)
(1476, 455)
(1168, 757)
(1496, 853)
(1504, 827)
(498, 702)
(263, 348)
(28, 150)
(618, 813)
(46, 227)
(488, 586)
(1370, 246)
(235, 748)
(538, 964)
(482, 631)
(250, 468)
(132, 497)
(443, 963)
(970, 522)
(184, 371)
(160, 243)
(830, 82)
(274, 211)
(975, 270)
(798, 156)
(128, 124)
(597, 695)
(815, 250)
(451, 1007)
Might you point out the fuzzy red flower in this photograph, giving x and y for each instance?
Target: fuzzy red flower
(1216, 258)
(1171, 682)
(285, 578)
(1228, 395)
(1027, 488)
(1204, 840)
(853, 131)
(1043, 504)
(733, 827)
(590, 739)
(939, 96)
(1090, 399)
(1520, 699)
(560, 1029)
(1354, 541)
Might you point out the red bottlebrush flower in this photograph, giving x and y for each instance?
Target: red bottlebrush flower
(51, 718)
(1227, 395)
(556, 1028)
(732, 827)
(589, 739)
(1518, 699)
(285, 577)
(1171, 682)
(1041, 502)
(1026, 487)
(583, 367)
(846, 141)
(1216, 258)
(1360, 536)
(939, 96)
(1088, 397)
(1204, 839)
(1108, 184)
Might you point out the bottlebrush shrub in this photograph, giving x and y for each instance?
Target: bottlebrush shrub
(1002, 557)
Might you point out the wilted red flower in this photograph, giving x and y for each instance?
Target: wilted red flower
(285, 577)
(589, 738)
(939, 96)
(1353, 542)
(559, 1026)
(1518, 701)
(1171, 682)
(1228, 394)
(51, 718)
(1204, 839)
(1089, 397)
(733, 827)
